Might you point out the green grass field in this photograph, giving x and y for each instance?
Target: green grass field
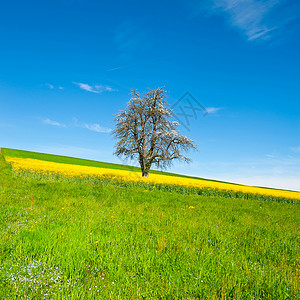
(99, 240)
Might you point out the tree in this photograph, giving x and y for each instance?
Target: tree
(145, 132)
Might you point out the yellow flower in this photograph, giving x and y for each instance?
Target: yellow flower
(192, 207)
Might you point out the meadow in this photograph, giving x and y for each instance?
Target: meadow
(102, 237)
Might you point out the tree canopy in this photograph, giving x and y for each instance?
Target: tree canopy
(145, 131)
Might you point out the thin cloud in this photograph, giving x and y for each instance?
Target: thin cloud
(53, 123)
(278, 172)
(275, 181)
(257, 20)
(296, 149)
(130, 40)
(104, 88)
(97, 128)
(212, 110)
(50, 86)
(97, 89)
(92, 127)
(118, 68)
(68, 150)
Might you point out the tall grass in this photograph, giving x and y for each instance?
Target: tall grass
(64, 239)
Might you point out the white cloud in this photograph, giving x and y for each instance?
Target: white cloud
(254, 18)
(94, 89)
(97, 128)
(86, 87)
(54, 123)
(212, 110)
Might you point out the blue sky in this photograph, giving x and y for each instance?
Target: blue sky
(66, 67)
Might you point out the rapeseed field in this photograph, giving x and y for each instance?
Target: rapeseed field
(68, 170)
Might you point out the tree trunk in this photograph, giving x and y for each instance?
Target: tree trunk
(145, 174)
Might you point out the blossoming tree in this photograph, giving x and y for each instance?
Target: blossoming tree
(145, 131)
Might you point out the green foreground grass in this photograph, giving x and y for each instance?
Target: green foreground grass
(99, 240)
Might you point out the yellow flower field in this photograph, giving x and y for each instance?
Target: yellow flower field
(39, 166)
